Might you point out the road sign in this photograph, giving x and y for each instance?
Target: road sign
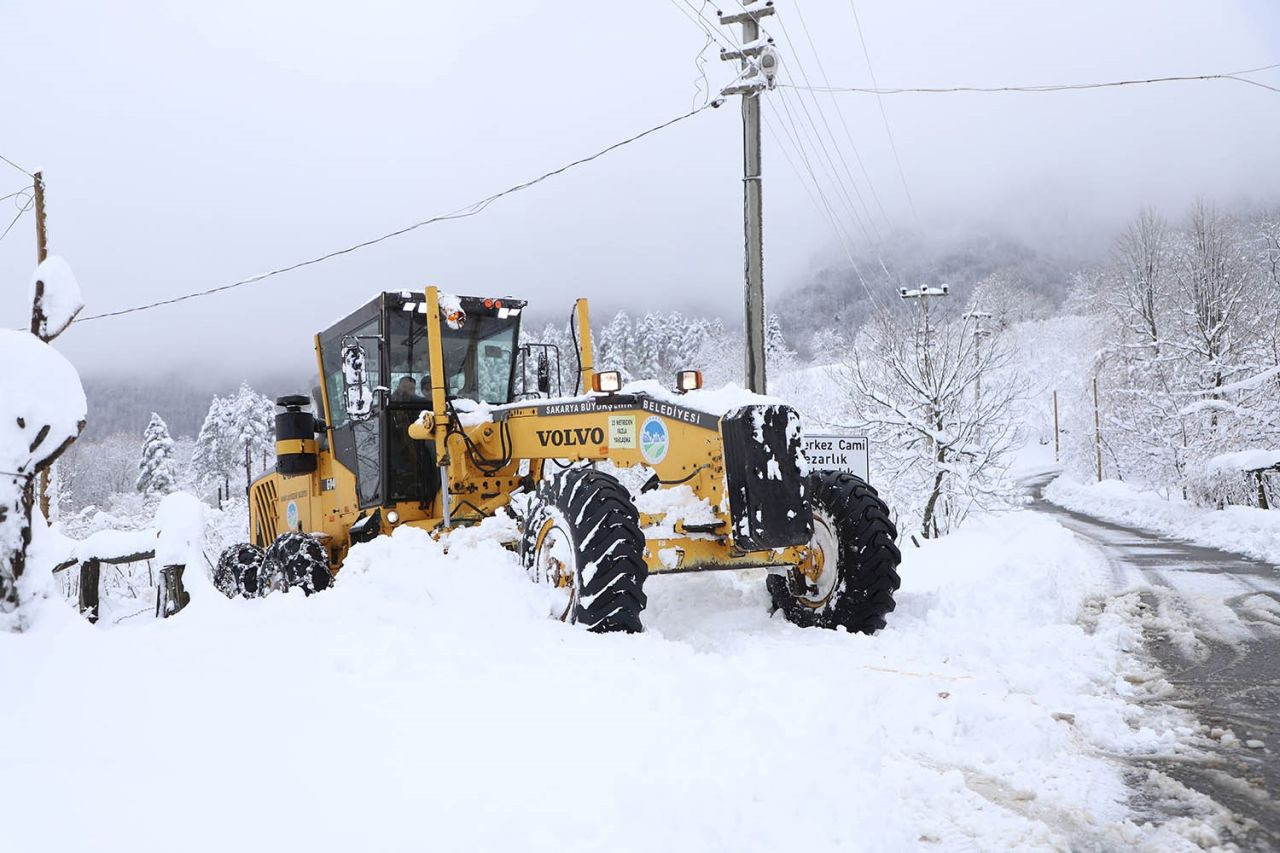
(839, 453)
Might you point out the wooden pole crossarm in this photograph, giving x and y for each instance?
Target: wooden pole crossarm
(749, 15)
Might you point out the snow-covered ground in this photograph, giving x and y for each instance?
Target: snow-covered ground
(1244, 530)
(427, 702)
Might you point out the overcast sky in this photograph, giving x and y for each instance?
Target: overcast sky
(187, 145)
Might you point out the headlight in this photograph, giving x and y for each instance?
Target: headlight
(688, 380)
(393, 517)
(607, 382)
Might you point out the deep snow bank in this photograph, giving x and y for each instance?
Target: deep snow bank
(427, 703)
(1241, 529)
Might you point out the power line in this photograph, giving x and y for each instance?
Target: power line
(21, 210)
(687, 9)
(840, 114)
(460, 213)
(804, 75)
(825, 206)
(16, 166)
(884, 116)
(702, 85)
(1235, 76)
(802, 136)
(14, 193)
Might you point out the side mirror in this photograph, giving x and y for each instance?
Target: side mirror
(357, 398)
(544, 373)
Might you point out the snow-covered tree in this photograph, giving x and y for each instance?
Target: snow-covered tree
(252, 420)
(1190, 369)
(830, 346)
(1008, 300)
(38, 421)
(616, 345)
(207, 459)
(236, 439)
(156, 471)
(936, 399)
(779, 356)
(651, 345)
(721, 356)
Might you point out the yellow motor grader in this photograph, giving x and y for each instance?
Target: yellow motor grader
(430, 413)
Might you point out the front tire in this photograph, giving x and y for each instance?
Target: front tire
(238, 571)
(850, 578)
(582, 541)
(298, 560)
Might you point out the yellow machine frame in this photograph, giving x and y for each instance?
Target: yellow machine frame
(592, 427)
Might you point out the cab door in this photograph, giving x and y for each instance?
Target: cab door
(357, 445)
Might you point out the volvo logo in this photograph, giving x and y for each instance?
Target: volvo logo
(571, 437)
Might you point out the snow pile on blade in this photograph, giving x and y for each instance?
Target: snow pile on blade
(426, 701)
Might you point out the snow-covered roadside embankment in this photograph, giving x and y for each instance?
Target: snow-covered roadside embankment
(1240, 529)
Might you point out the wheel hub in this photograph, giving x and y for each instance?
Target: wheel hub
(554, 566)
(819, 570)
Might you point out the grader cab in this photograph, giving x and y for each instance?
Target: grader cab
(430, 413)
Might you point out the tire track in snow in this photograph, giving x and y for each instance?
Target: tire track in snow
(1227, 671)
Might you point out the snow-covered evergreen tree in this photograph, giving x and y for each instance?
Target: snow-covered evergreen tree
(243, 421)
(779, 356)
(651, 344)
(156, 470)
(616, 345)
(206, 461)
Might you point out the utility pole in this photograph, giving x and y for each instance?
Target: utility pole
(42, 252)
(759, 65)
(1097, 428)
(978, 334)
(1055, 426)
(924, 294)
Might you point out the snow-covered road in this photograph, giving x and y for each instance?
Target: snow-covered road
(1213, 623)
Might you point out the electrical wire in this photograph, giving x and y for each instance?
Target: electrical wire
(884, 116)
(822, 145)
(840, 113)
(21, 210)
(16, 166)
(702, 85)
(1236, 76)
(687, 9)
(826, 209)
(460, 213)
(15, 193)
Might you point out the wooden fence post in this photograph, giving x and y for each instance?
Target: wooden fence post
(170, 595)
(90, 574)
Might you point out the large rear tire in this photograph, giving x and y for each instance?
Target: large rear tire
(582, 541)
(850, 578)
